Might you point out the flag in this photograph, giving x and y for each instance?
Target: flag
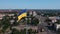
(22, 14)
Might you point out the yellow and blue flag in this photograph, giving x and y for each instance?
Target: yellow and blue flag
(22, 14)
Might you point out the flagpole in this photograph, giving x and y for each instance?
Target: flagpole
(26, 24)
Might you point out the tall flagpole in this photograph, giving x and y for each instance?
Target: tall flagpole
(26, 25)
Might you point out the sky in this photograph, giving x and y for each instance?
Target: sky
(29, 4)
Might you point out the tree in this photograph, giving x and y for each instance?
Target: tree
(30, 31)
(15, 31)
(15, 19)
(5, 23)
(35, 32)
(0, 24)
(23, 31)
(48, 20)
(34, 21)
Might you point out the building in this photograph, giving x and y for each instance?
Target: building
(54, 19)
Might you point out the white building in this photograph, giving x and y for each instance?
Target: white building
(34, 13)
(54, 19)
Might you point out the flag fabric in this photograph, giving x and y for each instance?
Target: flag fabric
(22, 14)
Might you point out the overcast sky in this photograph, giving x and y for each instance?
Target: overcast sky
(30, 4)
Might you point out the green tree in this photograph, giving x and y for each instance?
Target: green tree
(15, 19)
(15, 31)
(5, 23)
(30, 31)
(0, 24)
(35, 32)
(34, 21)
(23, 31)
